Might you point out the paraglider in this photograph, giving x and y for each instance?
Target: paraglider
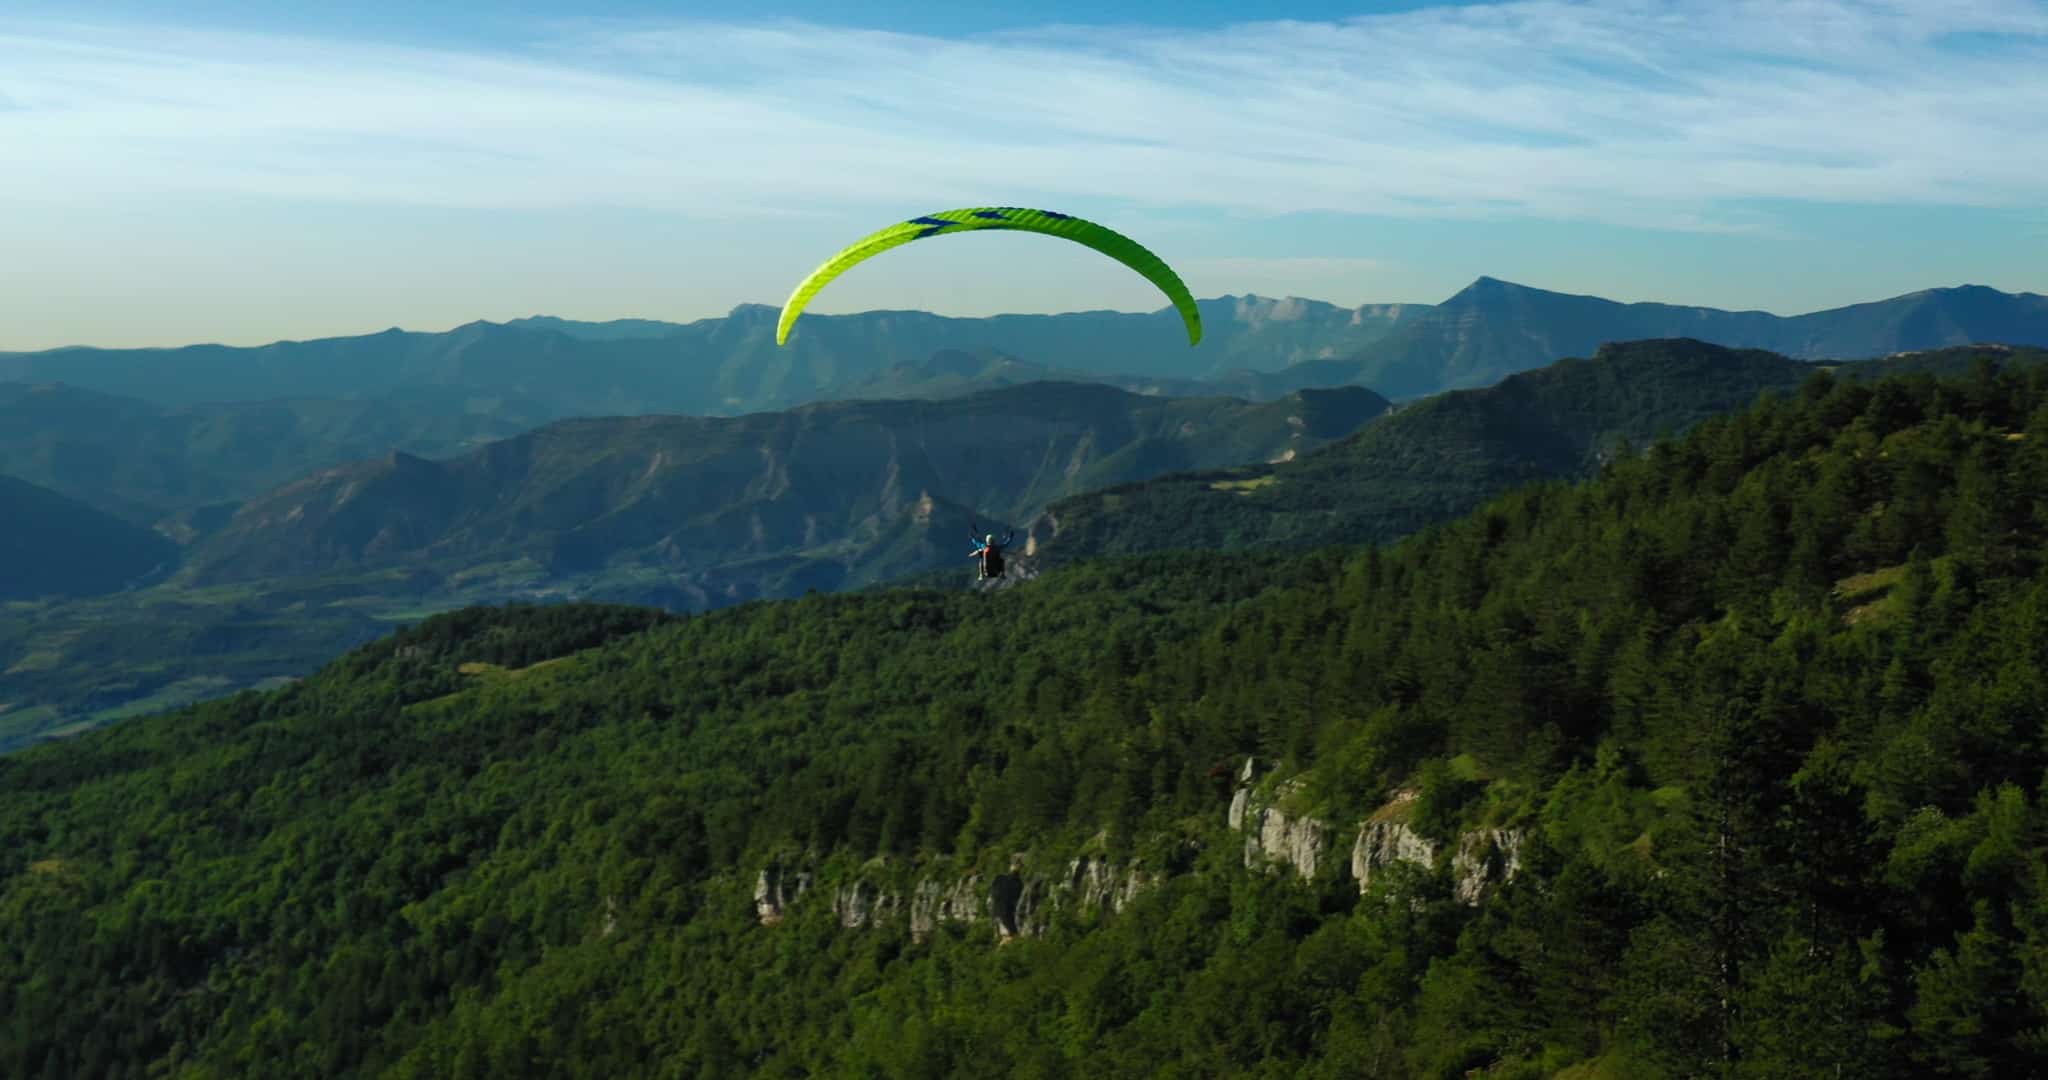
(989, 552)
(948, 222)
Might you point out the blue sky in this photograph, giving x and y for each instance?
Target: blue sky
(245, 172)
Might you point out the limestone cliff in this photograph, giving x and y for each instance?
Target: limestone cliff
(1481, 858)
(1024, 898)
(1020, 901)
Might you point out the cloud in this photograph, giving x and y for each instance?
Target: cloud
(1287, 265)
(1635, 112)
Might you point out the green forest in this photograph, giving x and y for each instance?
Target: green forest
(1765, 708)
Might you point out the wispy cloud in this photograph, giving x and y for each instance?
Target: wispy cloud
(1636, 112)
(1309, 275)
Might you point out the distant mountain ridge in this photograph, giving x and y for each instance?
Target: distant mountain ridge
(710, 367)
(1493, 329)
(143, 461)
(1258, 347)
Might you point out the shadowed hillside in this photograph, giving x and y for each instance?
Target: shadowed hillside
(54, 546)
(1442, 456)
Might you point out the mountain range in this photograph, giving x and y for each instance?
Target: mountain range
(720, 366)
(166, 465)
(415, 472)
(155, 434)
(1493, 329)
(824, 496)
(1253, 346)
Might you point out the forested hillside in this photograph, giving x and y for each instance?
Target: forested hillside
(1441, 457)
(1727, 762)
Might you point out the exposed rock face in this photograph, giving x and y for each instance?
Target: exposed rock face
(1485, 857)
(862, 902)
(1041, 530)
(1291, 841)
(1482, 858)
(1384, 843)
(775, 889)
(1296, 842)
(1017, 569)
(1015, 903)
(1241, 801)
(1095, 884)
(932, 903)
(1021, 903)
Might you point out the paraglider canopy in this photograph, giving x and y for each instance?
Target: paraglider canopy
(947, 222)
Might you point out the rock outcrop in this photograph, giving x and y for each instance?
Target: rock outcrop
(1021, 902)
(1096, 884)
(1016, 903)
(1485, 857)
(775, 889)
(1241, 802)
(1381, 844)
(1280, 838)
(932, 903)
(1481, 858)
(863, 902)
(1291, 841)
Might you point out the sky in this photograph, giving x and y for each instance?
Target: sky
(238, 172)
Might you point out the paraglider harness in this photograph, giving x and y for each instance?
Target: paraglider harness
(989, 552)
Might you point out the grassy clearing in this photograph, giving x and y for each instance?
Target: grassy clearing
(1245, 487)
(1868, 596)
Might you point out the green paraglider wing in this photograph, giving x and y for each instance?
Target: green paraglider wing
(1105, 240)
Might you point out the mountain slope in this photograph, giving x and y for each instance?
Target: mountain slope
(144, 461)
(54, 546)
(1495, 328)
(737, 504)
(1429, 461)
(957, 372)
(1440, 457)
(1732, 753)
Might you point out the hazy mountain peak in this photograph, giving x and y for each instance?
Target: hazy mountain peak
(1253, 309)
